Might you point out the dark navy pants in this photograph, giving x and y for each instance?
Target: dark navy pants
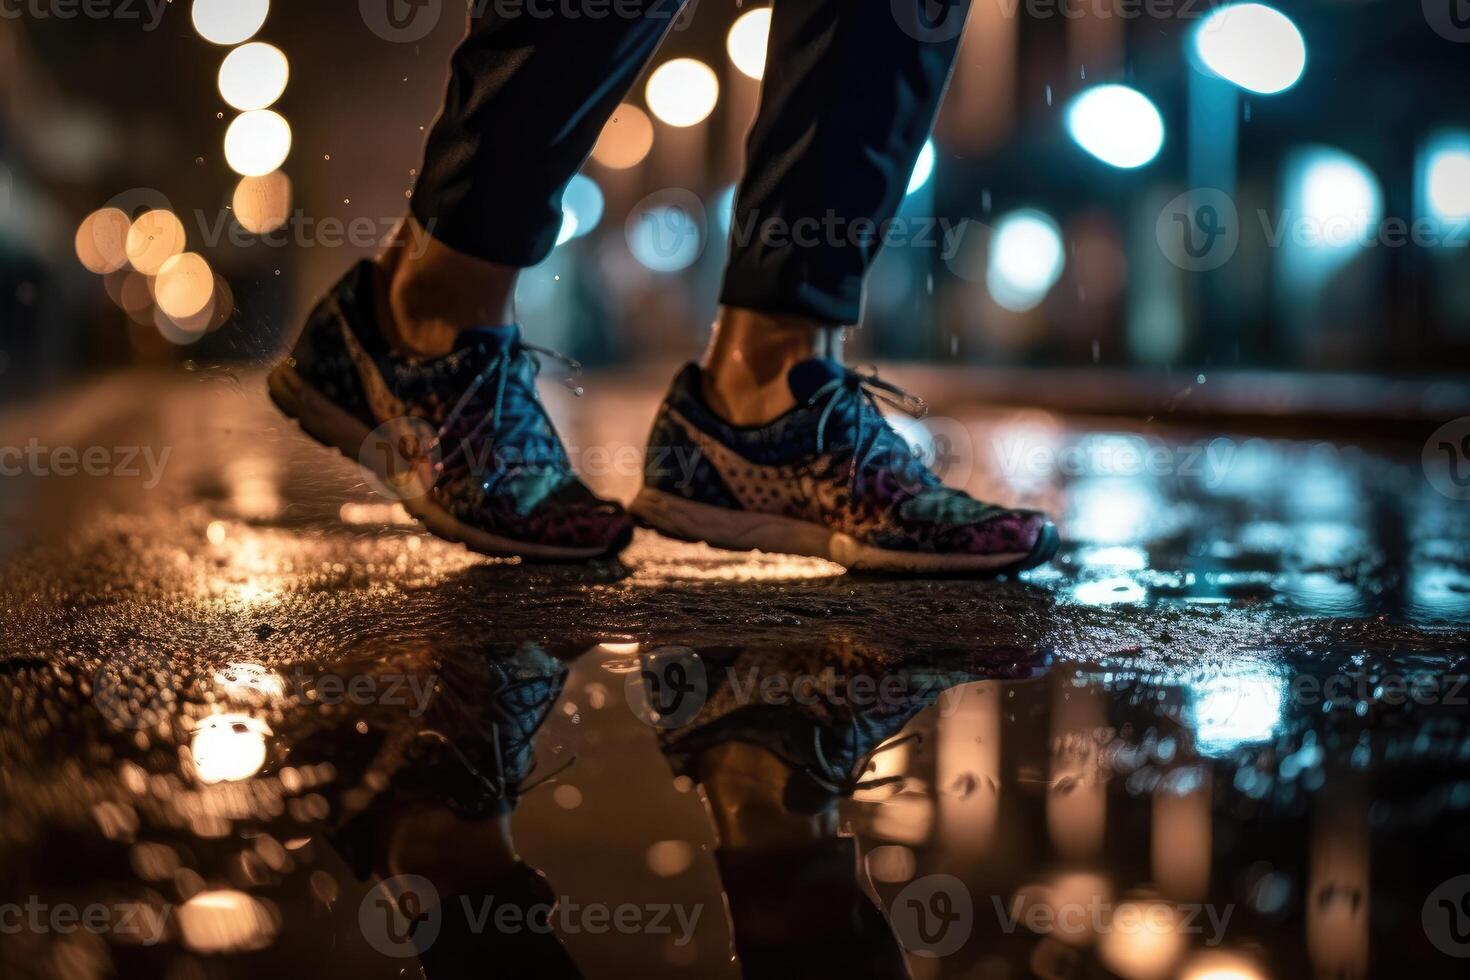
(850, 92)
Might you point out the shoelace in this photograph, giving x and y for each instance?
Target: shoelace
(498, 368)
(858, 384)
(834, 780)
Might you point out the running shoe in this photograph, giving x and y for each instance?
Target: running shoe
(462, 441)
(830, 479)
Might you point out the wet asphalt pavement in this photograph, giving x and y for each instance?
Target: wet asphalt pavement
(1224, 734)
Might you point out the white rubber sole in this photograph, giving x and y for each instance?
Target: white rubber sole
(320, 418)
(738, 530)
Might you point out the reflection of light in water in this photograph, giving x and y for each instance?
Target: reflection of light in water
(668, 858)
(244, 680)
(891, 863)
(1112, 510)
(724, 566)
(1109, 591)
(374, 513)
(1220, 965)
(619, 649)
(1130, 559)
(1439, 590)
(1144, 940)
(228, 747)
(226, 921)
(967, 768)
(1232, 710)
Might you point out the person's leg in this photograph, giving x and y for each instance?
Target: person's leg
(528, 96)
(850, 93)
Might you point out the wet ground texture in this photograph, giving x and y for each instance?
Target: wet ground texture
(1224, 734)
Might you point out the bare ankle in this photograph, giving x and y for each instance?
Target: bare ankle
(431, 293)
(748, 357)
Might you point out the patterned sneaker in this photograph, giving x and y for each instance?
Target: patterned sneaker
(830, 479)
(462, 440)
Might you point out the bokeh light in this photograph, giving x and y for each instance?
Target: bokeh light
(153, 239)
(923, 168)
(228, 747)
(229, 21)
(747, 40)
(226, 921)
(253, 76)
(262, 204)
(682, 92)
(102, 241)
(583, 199)
(1116, 124)
(1255, 46)
(257, 142)
(1026, 259)
(1340, 199)
(184, 286)
(625, 140)
(1447, 180)
(665, 239)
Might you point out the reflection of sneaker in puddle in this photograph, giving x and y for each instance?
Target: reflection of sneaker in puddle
(430, 772)
(822, 710)
(460, 734)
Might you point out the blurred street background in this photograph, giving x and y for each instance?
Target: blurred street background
(1176, 191)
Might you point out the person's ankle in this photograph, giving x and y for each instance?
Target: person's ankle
(429, 293)
(749, 354)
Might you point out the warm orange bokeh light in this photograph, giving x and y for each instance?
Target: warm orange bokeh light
(262, 204)
(102, 241)
(184, 287)
(625, 140)
(153, 239)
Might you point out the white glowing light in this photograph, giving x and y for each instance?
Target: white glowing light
(583, 199)
(1448, 180)
(682, 92)
(568, 229)
(1116, 124)
(228, 747)
(1026, 259)
(257, 142)
(1255, 46)
(1341, 200)
(184, 287)
(1227, 711)
(923, 168)
(253, 76)
(229, 21)
(746, 42)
